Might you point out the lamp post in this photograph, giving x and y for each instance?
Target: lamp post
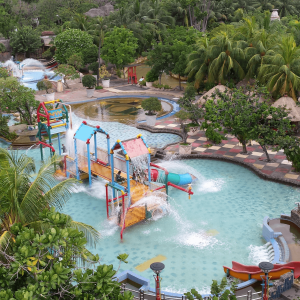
(157, 268)
(266, 267)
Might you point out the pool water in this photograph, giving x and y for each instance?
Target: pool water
(222, 222)
(30, 78)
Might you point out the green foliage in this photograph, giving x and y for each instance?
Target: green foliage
(89, 54)
(4, 73)
(183, 116)
(151, 76)
(66, 71)
(18, 98)
(212, 134)
(25, 40)
(142, 83)
(4, 129)
(89, 81)
(73, 41)
(94, 67)
(76, 61)
(46, 264)
(187, 102)
(47, 54)
(119, 47)
(2, 48)
(152, 105)
(99, 87)
(44, 85)
(84, 7)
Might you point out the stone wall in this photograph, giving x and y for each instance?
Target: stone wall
(283, 284)
(5, 56)
(295, 216)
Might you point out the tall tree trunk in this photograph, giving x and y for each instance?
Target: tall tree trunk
(191, 21)
(160, 78)
(179, 83)
(99, 64)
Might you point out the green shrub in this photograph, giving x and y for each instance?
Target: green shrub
(2, 48)
(152, 105)
(76, 61)
(157, 85)
(89, 54)
(94, 67)
(4, 73)
(167, 87)
(119, 73)
(151, 76)
(47, 54)
(99, 87)
(212, 134)
(44, 85)
(89, 81)
(208, 86)
(142, 83)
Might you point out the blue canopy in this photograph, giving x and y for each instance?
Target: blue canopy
(84, 132)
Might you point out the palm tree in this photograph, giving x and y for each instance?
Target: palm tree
(23, 197)
(263, 5)
(198, 62)
(246, 5)
(255, 52)
(81, 22)
(287, 7)
(280, 68)
(228, 58)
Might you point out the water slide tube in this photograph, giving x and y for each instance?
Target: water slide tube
(177, 179)
(245, 273)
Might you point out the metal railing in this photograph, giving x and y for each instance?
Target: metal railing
(141, 295)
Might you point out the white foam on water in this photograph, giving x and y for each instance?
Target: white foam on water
(257, 254)
(202, 291)
(108, 228)
(211, 186)
(197, 239)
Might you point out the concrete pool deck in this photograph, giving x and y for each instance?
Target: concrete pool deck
(280, 169)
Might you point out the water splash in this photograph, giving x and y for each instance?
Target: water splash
(258, 254)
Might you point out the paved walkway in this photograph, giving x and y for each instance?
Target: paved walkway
(279, 168)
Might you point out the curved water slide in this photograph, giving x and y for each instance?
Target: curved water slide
(245, 273)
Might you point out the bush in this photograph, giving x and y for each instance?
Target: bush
(167, 87)
(2, 48)
(119, 73)
(142, 83)
(44, 85)
(73, 41)
(152, 105)
(151, 76)
(99, 87)
(89, 54)
(4, 73)
(212, 134)
(94, 67)
(76, 61)
(89, 81)
(208, 86)
(47, 54)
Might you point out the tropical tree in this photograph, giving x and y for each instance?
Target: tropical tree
(287, 7)
(24, 194)
(280, 68)
(228, 59)
(43, 265)
(25, 39)
(246, 5)
(81, 22)
(198, 62)
(263, 5)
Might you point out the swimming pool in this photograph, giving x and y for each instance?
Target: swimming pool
(222, 222)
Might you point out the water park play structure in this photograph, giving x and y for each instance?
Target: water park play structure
(53, 118)
(245, 273)
(132, 157)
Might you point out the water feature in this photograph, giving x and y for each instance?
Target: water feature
(222, 221)
(126, 110)
(30, 71)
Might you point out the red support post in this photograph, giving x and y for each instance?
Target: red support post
(107, 209)
(180, 188)
(157, 287)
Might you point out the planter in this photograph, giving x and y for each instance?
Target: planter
(194, 130)
(150, 120)
(185, 149)
(60, 87)
(50, 97)
(149, 84)
(90, 92)
(105, 83)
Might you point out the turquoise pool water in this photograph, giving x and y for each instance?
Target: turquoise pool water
(222, 222)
